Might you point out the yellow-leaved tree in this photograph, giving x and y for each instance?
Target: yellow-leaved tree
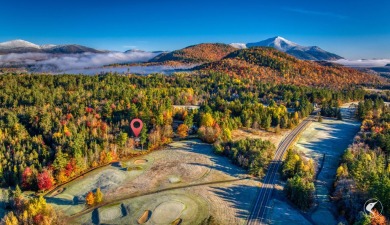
(98, 196)
(207, 120)
(33, 211)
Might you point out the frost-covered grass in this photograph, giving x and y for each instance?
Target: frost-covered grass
(178, 165)
(72, 198)
(327, 139)
(165, 208)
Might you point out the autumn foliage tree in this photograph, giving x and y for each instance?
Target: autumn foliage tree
(45, 180)
(182, 130)
(209, 134)
(364, 169)
(98, 196)
(90, 199)
(377, 218)
(33, 212)
(271, 65)
(28, 178)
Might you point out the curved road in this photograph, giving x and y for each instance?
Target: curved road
(258, 213)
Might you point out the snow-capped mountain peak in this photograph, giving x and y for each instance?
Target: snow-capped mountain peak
(21, 46)
(17, 44)
(277, 42)
(292, 48)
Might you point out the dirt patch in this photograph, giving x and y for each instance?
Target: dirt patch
(167, 212)
(274, 138)
(144, 217)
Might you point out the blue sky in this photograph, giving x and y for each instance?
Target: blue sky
(353, 29)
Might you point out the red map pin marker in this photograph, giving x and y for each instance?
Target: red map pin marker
(136, 126)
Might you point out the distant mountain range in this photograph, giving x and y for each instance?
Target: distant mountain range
(291, 48)
(185, 55)
(21, 46)
(275, 60)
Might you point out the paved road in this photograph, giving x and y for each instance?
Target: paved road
(257, 215)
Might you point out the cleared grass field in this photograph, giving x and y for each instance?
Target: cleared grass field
(186, 182)
(71, 198)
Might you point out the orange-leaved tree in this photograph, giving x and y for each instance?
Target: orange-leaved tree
(90, 199)
(182, 130)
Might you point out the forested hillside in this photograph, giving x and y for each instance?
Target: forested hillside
(195, 54)
(270, 65)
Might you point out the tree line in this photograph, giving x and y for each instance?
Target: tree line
(364, 171)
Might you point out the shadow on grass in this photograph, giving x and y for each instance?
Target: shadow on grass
(220, 163)
(239, 196)
(339, 137)
(60, 201)
(95, 216)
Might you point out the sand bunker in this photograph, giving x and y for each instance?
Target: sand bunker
(145, 217)
(110, 213)
(167, 212)
(140, 161)
(174, 179)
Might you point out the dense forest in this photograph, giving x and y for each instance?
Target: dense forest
(251, 154)
(53, 128)
(364, 172)
(299, 173)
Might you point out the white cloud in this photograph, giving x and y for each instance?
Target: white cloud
(315, 13)
(43, 62)
(363, 62)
